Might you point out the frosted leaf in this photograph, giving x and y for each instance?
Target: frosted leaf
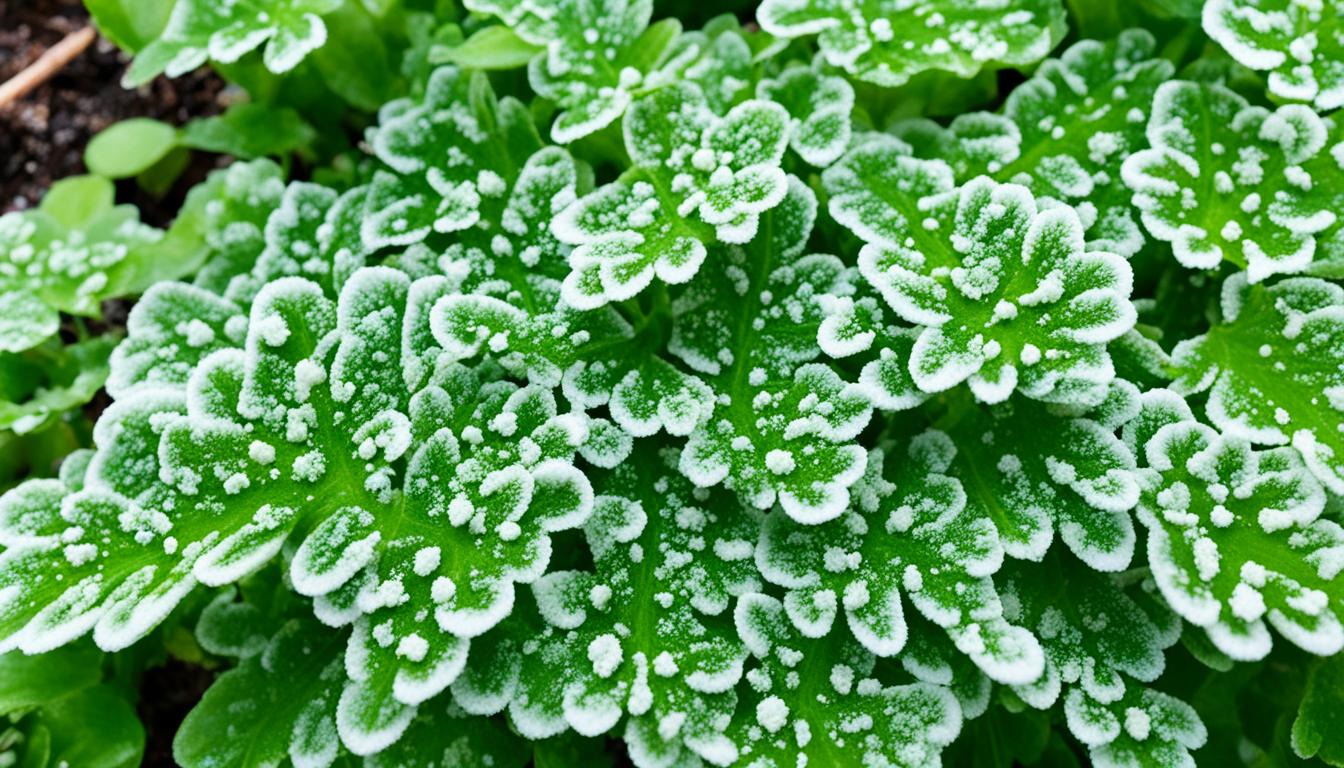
(645, 637)
(443, 157)
(1227, 181)
(696, 177)
(909, 532)
(819, 108)
(67, 258)
(816, 701)
(1142, 727)
(202, 30)
(444, 736)
(170, 331)
(931, 656)
(887, 42)
(1005, 293)
(1235, 538)
(718, 59)
(783, 429)
(279, 702)
(597, 55)
(313, 233)
(1064, 133)
(1098, 640)
(227, 213)
(1298, 44)
(431, 496)
(1034, 469)
(1274, 369)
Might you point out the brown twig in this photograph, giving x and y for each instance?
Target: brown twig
(48, 64)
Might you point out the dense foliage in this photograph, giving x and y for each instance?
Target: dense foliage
(845, 382)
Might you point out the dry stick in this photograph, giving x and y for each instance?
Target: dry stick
(48, 64)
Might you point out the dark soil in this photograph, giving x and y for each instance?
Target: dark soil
(167, 694)
(42, 136)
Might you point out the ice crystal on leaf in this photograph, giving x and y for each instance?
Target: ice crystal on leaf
(424, 494)
(1299, 44)
(910, 532)
(784, 428)
(205, 30)
(597, 55)
(67, 255)
(443, 156)
(1274, 369)
(1236, 538)
(510, 309)
(1005, 293)
(1063, 134)
(696, 178)
(820, 107)
(1227, 181)
(646, 636)
(816, 701)
(887, 42)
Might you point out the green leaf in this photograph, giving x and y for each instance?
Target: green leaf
(646, 635)
(785, 430)
(96, 726)
(1002, 287)
(887, 42)
(1236, 537)
(1318, 729)
(408, 478)
(814, 701)
(911, 532)
(27, 682)
(490, 48)
(129, 147)
(1272, 369)
(278, 703)
(696, 178)
(1299, 46)
(202, 30)
(249, 130)
(1227, 181)
(1059, 138)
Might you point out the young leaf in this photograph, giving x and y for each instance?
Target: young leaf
(1006, 294)
(812, 701)
(784, 429)
(1226, 181)
(1235, 537)
(911, 532)
(696, 177)
(887, 42)
(819, 107)
(645, 637)
(442, 156)
(203, 30)
(1274, 369)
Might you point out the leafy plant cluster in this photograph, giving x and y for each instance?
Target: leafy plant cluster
(855, 382)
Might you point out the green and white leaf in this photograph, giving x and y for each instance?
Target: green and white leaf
(696, 178)
(1003, 288)
(815, 702)
(1298, 44)
(204, 30)
(1236, 537)
(910, 532)
(783, 428)
(1228, 181)
(887, 42)
(1274, 369)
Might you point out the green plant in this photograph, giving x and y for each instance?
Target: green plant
(705, 395)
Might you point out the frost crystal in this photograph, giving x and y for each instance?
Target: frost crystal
(887, 42)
